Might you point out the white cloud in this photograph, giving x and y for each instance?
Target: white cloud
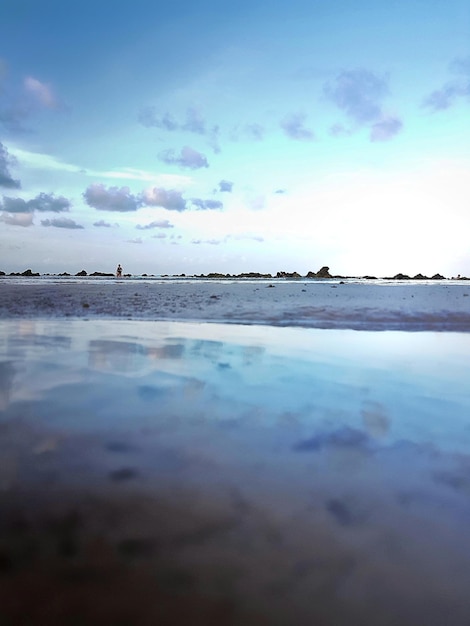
(17, 219)
(62, 222)
(169, 199)
(47, 162)
(155, 224)
(294, 127)
(42, 92)
(188, 157)
(111, 199)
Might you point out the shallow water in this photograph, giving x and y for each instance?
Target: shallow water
(302, 474)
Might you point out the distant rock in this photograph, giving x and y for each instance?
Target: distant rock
(253, 275)
(29, 273)
(82, 273)
(420, 277)
(64, 274)
(288, 275)
(438, 277)
(370, 277)
(324, 272)
(2, 273)
(401, 277)
(101, 274)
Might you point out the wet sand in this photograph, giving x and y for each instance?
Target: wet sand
(308, 304)
(173, 473)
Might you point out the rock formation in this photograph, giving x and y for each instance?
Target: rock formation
(288, 275)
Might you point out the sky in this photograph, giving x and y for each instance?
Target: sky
(193, 137)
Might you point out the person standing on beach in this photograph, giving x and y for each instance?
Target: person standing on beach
(119, 271)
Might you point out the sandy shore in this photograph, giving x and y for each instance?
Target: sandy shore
(314, 305)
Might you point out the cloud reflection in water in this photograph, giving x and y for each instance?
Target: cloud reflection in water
(341, 457)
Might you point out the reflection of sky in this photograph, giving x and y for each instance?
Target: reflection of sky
(395, 385)
(350, 442)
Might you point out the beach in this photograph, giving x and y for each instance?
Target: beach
(364, 305)
(234, 452)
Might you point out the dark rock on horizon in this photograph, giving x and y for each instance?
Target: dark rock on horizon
(324, 272)
(64, 274)
(2, 273)
(288, 275)
(82, 273)
(420, 277)
(401, 277)
(253, 275)
(101, 274)
(28, 273)
(438, 277)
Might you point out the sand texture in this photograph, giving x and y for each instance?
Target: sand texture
(315, 305)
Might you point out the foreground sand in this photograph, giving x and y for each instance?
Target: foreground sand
(315, 305)
(265, 473)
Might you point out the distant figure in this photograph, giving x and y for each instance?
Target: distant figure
(119, 271)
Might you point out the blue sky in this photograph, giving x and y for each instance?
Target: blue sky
(191, 137)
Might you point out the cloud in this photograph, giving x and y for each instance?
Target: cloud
(157, 224)
(169, 199)
(225, 185)
(188, 157)
(252, 132)
(294, 127)
(159, 236)
(45, 162)
(17, 108)
(149, 118)
(103, 224)
(212, 242)
(17, 219)
(48, 202)
(15, 205)
(111, 199)
(385, 129)
(442, 99)
(193, 122)
(41, 92)
(207, 204)
(460, 66)
(43, 202)
(61, 222)
(447, 95)
(137, 240)
(358, 93)
(6, 160)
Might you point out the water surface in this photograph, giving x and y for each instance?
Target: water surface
(306, 474)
